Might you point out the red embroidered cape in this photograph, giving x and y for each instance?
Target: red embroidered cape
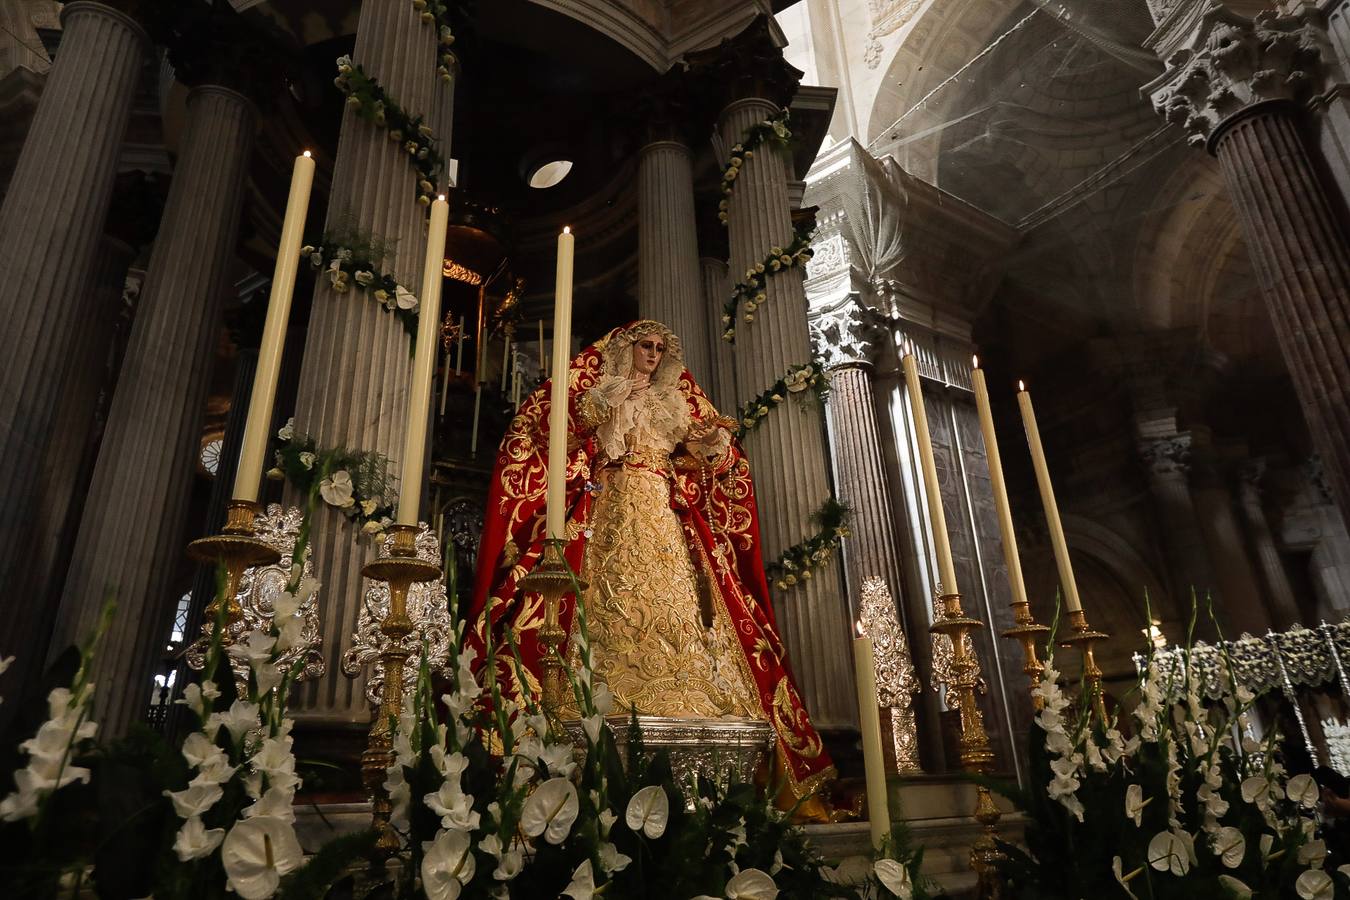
(717, 513)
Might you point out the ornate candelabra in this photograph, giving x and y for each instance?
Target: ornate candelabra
(976, 754)
(1027, 632)
(401, 568)
(1085, 639)
(237, 548)
(552, 577)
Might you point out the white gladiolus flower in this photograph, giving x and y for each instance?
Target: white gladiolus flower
(648, 812)
(256, 853)
(591, 725)
(448, 865)
(582, 885)
(275, 803)
(195, 799)
(603, 699)
(195, 840)
(1315, 884)
(509, 866)
(196, 696)
(611, 860)
(895, 878)
(337, 488)
(216, 770)
(560, 759)
(550, 810)
(239, 720)
(198, 750)
(1313, 854)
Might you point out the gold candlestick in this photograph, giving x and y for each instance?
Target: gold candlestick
(1085, 639)
(237, 548)
(975, 752)
(1027, 632)
(552, 577)
(401, 569)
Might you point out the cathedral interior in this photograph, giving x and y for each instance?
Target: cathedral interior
(1036, 182)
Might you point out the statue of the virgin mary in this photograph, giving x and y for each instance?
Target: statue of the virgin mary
(662, 527)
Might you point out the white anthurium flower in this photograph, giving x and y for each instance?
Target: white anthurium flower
(337, 489)
(307, 459)
(287, 431)
(194, 840)
(1167, 852)
(1313, 854)
(1254, 789)
(611, 860)
(1315, 884)
(1236, 889)
(256, 853)
(363, 278)
(751, 884)
(404, 298)
(895, 878)
(550, 810)
(1134, 804)
(195, 799)
(582, 885)
(509, 866)
(648, 812)
(447, 865)
(1302, 789)
(1230, 846)
(1118, 870)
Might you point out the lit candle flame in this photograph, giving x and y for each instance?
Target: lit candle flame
(859, 628)
(567, 229)
(1021, 385)
(307, 154)
(975, 361)
(440, 196)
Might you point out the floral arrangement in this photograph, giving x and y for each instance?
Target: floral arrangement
(437, 12)
(373, 104)
(1189, 806)
(355, 482)
(798, 562)
(752, 291)
(350, 256)
(774, 129)
(798, 379)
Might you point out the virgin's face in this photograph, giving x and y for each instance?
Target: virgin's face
(647, 353)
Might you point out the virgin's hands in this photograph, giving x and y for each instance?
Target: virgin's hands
(700, 431)
(636, 387)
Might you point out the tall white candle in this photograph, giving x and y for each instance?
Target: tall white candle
(477, 408)
(869, 720)
(424, 366)
(459, 349)
(542, 367)
(1061, 547)
(997, 484)
(557, 411)
(506, 361)
(942, 544)
(258, 425)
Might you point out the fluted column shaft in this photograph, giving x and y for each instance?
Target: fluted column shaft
(1183, 544)
(51, 224)
(353, 389)
(872, 547)
(1238, 596)
(1303, 268)
(787, 451)
(131, 536)
(668, 269)
(1281, 603)
(722, 379)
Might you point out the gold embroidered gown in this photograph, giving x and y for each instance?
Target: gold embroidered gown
(649, 643)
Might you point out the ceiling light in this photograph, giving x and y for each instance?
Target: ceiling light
(549, 174)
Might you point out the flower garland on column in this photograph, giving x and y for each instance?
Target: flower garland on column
(373, 103)
(797, 563)
(752, 291)
(437, 12)
(772, 130)
(350, 258)
(798, 379)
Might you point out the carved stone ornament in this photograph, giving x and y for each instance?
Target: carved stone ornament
(258, 589)
(429, 610)
(1234, 62)
(1167, 456)
(897, 683)
(887, 16)
(829, 254)
(845, 336)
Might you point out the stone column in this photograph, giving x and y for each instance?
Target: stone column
(787, 451)
(722, 377)
(872, 547)
(1280, 601)
(1235, 93)
(353, 388)
(669, 282)
(131, 536)
(1166, 459)
(51, 225)
(1237, 593)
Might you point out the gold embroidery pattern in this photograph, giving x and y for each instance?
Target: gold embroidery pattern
(789, 718)
(647, 637)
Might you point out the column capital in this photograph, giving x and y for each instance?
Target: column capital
(846, 336)
(1169, 455)
(1224, 64)
(668, 112)
(748, 64)
(212, 45)
(125, 12)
